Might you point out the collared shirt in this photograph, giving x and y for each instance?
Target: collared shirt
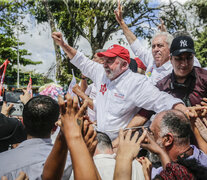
(153, 73)
(198, 154)
(119, 100)
(28, 157)
(105, 164)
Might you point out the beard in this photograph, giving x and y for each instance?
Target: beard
(154, 158)
(113, 74)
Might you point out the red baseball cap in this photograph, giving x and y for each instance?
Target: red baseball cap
(116, 50)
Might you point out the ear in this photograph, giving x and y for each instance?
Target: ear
(168, 140)
(125, 65)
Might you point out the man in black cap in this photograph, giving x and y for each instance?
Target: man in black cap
(186, 81)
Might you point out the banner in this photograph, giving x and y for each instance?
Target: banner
(2, 76)
(71, 85)
(29, 86)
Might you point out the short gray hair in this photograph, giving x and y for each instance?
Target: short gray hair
(177, 123)
(169, 37)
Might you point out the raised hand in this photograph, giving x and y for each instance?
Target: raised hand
(162, 26)
(6, 109)
(202, 127)
(146, 167)
(118, 13)
(26, 97)
(58, 38)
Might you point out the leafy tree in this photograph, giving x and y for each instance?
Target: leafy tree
(10, 15)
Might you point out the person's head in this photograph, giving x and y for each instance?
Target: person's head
(96, 58)
(171, 130)
(116, 61)
(39, 116)
(182, 56)
(104, 145)
(160, 43)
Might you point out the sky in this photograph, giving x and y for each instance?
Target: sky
(38, 41)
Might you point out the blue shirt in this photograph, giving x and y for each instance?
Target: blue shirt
(29, 157)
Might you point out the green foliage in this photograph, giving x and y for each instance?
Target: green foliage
(201, 48)
(11, 13)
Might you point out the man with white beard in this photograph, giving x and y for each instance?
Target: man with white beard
(120, 92)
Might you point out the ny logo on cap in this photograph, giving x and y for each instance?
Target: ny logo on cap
(183, 43)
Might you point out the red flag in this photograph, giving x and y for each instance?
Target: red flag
(29, 86)
(2, 74)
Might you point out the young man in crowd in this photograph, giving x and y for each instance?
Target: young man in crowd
(39, 116)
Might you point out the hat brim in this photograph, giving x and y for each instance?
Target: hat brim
(107, 54)
(178, 52)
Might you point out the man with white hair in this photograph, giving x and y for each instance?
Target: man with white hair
(156, 60)
(120, 92)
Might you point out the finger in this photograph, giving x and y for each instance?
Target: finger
(162, 22)
(204, 112)
(61, 105)
(142, 137)
(85, 127)
(205, 121)
(75, 104)
(89, 134)
(10, 106)
(4, 178)
(82, 109)
(24, 91)
(121, 135)
(135, 137)
(128, 135)
(21, 176)
(69, 102)
(58, 123)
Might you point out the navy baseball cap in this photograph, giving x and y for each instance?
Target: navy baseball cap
(182, 44)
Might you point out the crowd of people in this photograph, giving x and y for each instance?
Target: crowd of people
(127, 125)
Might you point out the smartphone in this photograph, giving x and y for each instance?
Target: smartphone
(13, 97)
(17, 109)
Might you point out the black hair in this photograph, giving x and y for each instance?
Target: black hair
(103, 140)
(39, 115)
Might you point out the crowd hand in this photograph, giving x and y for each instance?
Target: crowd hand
(204, 102)
(202, 127)
(71, 120)
(115, 144)
(58, 38)
(89, 136)
(25, 97)
(162, 26)
(77, 90)
(22, 176)
(146, 167)
(6, 109)
(196, 111)
(151, 145)
(129, 146)
(118, 13)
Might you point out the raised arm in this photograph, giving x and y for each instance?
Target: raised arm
(58, 38)
(127, 32)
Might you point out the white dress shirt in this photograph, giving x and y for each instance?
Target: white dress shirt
(119, 100)
(153, 73)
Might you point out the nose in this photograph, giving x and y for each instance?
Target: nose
(184, 62)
